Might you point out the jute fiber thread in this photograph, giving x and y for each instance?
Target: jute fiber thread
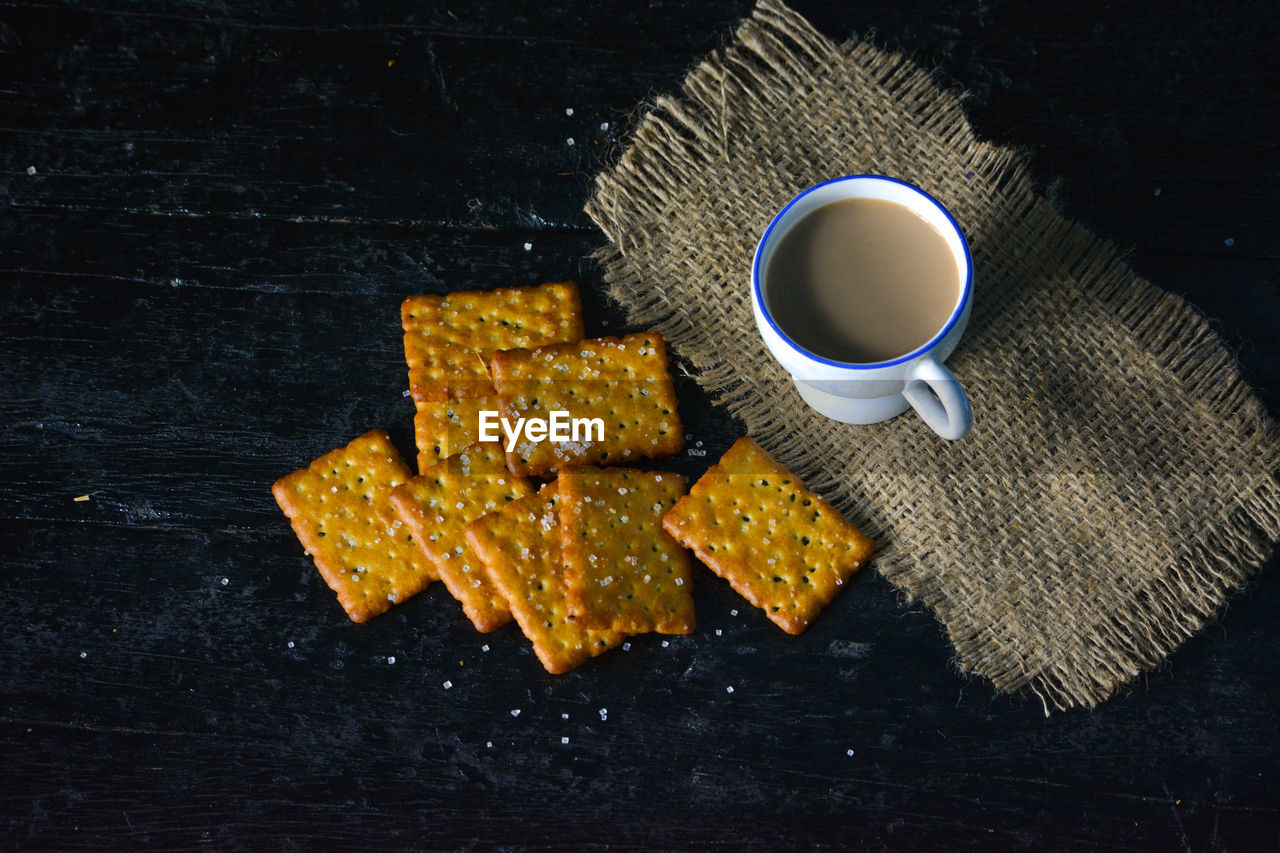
(1119, 481)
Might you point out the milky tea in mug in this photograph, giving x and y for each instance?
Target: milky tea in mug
(861, 280)
(861, 287)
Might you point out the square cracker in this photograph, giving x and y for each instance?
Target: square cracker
(339, 506)
(622, 381)
(443, 428)
(439, 503)
(521, 548)
(448, 340)
(781, 546)
(623, 570)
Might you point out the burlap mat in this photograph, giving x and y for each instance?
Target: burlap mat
(1119, 479)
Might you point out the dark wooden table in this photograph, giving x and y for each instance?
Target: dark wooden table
(209, 213)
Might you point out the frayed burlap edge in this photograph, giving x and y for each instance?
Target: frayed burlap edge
(678, 135)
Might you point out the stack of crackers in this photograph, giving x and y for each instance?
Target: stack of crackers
(581, 554)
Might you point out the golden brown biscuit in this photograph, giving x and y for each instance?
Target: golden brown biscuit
(340, 509)
(624, 382)
(781, 546)
(623, 570)
(448, 340)
(439, 503)
(521, 548)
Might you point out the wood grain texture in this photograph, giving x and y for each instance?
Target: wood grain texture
(199, 292)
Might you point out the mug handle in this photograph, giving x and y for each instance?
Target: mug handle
(936, 395)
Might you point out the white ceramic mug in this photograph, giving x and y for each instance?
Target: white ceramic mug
(856, 393)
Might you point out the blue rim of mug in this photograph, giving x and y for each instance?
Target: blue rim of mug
(967, 290)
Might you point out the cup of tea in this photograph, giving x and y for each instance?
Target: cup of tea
(861, 287)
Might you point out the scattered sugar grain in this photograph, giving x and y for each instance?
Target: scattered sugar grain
(626, 647)
(515, 712)
(719, 633)
(291, 644)
(31, 170)
(733, 612)
(569, 141)
(485, 647)
(729, 689)
(528, 247)
(564, 716)
(226, 581)
(1230, 241)
(666, 643)
(564, 741)
(448, 685)
(391, 659)
(83, 655)
(405, 393)
(849, 752)
(568, 111)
